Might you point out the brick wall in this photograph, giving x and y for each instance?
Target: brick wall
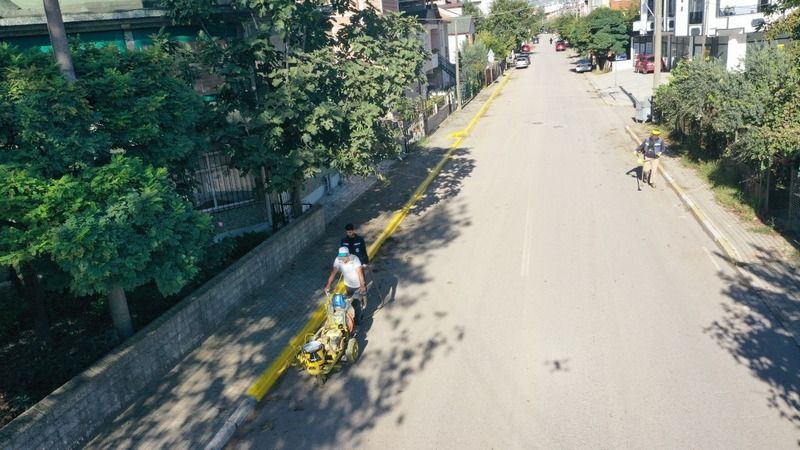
(71, 415)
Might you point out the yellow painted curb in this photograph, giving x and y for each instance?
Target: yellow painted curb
(698, 214)
(268, 378)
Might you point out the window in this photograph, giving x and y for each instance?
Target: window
(696, 11)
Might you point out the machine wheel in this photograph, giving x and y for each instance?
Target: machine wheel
(352, 351)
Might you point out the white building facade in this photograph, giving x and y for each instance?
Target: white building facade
(717, 28)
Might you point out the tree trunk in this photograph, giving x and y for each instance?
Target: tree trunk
(58, 38)
(297, 201)
(118, 305)
(35, 294)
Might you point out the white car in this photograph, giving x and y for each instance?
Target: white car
(522, 62)
(583, 65)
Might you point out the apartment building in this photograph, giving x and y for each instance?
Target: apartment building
(709, 28)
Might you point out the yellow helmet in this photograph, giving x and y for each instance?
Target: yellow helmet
(656, 133)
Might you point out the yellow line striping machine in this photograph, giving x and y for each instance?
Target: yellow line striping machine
(335, 341)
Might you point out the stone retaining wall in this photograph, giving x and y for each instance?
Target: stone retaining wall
(72, 414)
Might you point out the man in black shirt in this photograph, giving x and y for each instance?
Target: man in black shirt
(355, 244)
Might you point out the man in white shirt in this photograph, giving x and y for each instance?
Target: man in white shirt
(353, 275)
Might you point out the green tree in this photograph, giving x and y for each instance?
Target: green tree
(686, 102)
(119, 226)
(311, 99)
(144, 106)
(380, 56)
(607, 31)
(470, 9)
(133, 103)
(46, 122)
(491, 42)
(785, 21)
(767, 136)
(510, 22)
(20, 239)
(474, 58)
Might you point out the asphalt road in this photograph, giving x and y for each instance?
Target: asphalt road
(541, 301)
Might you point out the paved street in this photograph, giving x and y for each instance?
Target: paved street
(538, 300)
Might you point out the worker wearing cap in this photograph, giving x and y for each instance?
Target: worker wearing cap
(352, 274)
(651, 149)
(351, 269)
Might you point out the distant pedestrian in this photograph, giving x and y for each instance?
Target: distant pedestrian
(651, 149)
(355, 244)
(551, 41)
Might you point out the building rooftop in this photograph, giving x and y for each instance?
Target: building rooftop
(26, 8)
(420, 11)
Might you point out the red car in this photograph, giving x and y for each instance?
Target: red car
(645, 63)
(561, 46)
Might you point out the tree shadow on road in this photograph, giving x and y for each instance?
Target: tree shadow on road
(753, 332)
(298, 415)
(189, 404)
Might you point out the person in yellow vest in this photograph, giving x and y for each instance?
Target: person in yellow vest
(651, 149)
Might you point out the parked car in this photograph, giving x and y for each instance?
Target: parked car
(525, 48)
(621, 57)
(522, 62)
(583, 65)
(561, 46)
(645, 63)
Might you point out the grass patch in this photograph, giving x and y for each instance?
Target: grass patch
(794, 257)
(725, 182)
(762, 228)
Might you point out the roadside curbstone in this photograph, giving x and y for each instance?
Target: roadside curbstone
(246, 406)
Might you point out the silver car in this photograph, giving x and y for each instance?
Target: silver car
(522, 62)
(583, 65)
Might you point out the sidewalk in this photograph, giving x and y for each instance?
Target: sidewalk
(765, 260)
(194, 400)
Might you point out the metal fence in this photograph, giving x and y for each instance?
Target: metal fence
(676, 48)
(794, 198)
(229, 196)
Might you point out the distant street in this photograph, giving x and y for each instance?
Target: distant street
(544, 302)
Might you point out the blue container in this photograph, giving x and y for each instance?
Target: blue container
(338, 301)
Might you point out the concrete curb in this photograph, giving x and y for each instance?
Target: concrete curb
(224, 434)
(708, 226)
(267, 379)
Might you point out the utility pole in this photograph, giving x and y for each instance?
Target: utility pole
(458, 68)
(58, 39)
(657, 26)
